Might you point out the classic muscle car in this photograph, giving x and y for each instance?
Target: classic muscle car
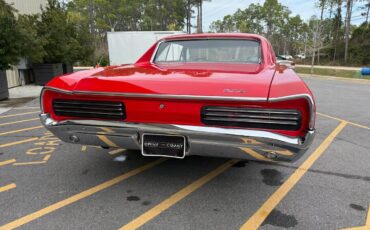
(219, 95)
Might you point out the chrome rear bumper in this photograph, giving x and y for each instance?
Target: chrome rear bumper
(200, 140)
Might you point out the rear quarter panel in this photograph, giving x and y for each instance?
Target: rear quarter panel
(287, 83)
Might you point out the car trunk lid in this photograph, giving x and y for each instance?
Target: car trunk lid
(194, 80)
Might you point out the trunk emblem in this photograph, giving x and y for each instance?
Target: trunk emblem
(161, 106)
(234, 91)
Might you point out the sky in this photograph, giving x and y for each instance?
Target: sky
(217, 9)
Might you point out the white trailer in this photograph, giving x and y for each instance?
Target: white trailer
(127, 47)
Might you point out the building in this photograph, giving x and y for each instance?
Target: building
(21, 74)
(27, 6)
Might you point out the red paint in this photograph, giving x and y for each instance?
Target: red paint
(199, 79)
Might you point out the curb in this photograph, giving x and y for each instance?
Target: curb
(335, 78)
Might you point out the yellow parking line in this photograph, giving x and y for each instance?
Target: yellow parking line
(11, 161)
(29, 163)
(262, 213)
(167, 203)
(8, 187)
(19, 114)
(106, 129)
(340, 119)
(107, 141)
(21, 130)
(254, 154)
(16, 122)
(51, 208)
(46, 158)
(116, 151)
(18, 142)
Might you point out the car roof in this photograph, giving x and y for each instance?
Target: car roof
(214, 35)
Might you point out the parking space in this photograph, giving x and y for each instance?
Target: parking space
(48, 184)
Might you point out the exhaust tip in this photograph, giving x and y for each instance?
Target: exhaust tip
(271, 155)
(74, 138)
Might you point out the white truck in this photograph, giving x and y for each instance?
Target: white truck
(127, 47)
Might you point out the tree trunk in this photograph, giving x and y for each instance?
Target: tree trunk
(330, 14)
(199, 17)
(338, 25)
(314, 46)
(188, 17)
(320, 30)
(348, 25)
(312, 60)
(92, 28)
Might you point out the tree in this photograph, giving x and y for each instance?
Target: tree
(32, 47)
(271, 19)
(347, 28)
(189, 12)
(59, 35)
(10, 37)
(322, 4)
(337, 26)
(360, 45)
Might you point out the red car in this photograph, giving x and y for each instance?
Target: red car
(219, 95)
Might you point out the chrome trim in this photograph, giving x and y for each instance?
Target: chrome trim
(189, 97)
(173, 38)
(200, 140)
(246, 120)
(155, 52)
(242, 132)
(261, 117)
(88, 103)
(309, 99)
(41, 97)
(251, 110)
(159, 96)
(88, 112)
(83, 108)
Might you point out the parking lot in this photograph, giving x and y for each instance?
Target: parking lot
(48, 184)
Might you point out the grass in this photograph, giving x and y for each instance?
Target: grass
(332, 72)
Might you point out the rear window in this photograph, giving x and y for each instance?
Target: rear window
(209, 50)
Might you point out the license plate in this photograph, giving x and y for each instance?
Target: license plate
(163, 145)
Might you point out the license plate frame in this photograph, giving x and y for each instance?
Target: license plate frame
(156, 145)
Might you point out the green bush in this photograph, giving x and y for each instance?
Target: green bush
(10, 37)
(58, 35)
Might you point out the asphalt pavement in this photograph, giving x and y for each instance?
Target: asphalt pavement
(48, 184)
